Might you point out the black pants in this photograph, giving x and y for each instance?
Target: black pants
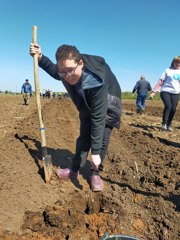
(170, 104)
(83, 145)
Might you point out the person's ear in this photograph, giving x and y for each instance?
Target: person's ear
(81, 63)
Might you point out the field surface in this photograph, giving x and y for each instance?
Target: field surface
(141, 194)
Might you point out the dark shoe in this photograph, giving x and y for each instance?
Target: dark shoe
(101, 167)
(96, 183)
(169, 128)
(66, 173)
(138, 110)
(164, 126)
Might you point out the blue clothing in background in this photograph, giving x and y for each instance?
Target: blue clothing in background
(142, 87)
(26, 88)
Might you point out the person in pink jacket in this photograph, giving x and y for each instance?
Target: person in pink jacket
(169, 86)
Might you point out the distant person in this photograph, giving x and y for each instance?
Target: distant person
(96, 93)
(43, 93)
(48, 93)
(26, 90)
(169, 86)
(142, 87)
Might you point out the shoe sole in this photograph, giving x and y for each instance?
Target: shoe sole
(100, 189)
(97, 190)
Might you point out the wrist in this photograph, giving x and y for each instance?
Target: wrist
(40, 56)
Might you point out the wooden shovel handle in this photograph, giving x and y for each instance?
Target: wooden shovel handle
(37, 89)
(34, 37)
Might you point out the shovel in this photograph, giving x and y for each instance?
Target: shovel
(47, 161)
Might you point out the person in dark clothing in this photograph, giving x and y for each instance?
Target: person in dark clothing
(142, 87)
(96, 93)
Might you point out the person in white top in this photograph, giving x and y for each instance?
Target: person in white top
(169, 86)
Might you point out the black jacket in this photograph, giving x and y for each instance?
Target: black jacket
(102, 99)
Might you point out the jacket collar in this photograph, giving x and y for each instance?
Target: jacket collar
(90, 80)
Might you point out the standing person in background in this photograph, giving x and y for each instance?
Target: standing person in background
(142, 87)
(96, 93)
(169, 86)
(43, 93)
(26, 90)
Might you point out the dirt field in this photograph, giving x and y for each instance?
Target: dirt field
(141, 197)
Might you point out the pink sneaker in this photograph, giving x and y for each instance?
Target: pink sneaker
(66, 173)
(96, 183)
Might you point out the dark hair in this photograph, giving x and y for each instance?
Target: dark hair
(175, 61)
(65, 52)
(27, 80)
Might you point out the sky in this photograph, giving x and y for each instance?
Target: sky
(136, 37)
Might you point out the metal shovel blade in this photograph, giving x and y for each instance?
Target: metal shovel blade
(48, 169)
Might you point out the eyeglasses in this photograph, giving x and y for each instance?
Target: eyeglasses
(68, 73)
